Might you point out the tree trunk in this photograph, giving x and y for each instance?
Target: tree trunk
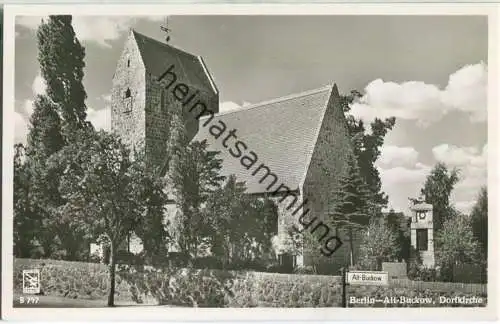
(112, 266)
(351, 248)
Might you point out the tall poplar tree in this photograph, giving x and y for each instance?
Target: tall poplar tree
(61, 58)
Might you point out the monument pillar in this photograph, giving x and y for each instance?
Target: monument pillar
(422, 231)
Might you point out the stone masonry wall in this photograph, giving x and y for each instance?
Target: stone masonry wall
(328, 165)
(127, 114)
(160, 100)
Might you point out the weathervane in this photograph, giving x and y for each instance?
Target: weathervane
(166, 30)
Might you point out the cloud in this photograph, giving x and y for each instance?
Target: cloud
(472, 163)
(461, 156)
(465, 92)
(231, 105)
(101, 119)
(30, 22)
(228, 106)
(399, 175)
(106, 97)
(99, 29)
(28, 107)
(39, 86)
(395, 156)
(21, 120)
(403, 176)
(20, 128)
(401, 182)
(465, 206)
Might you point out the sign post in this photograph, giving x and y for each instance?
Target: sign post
(361, 278)
(369, 278)
(344, 288)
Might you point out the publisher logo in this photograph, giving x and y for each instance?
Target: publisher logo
(31, 281)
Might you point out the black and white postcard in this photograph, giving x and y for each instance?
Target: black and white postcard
(246, 160)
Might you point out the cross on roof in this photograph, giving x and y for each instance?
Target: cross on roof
(166, 30)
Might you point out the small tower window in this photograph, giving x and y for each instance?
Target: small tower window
(128, 63)
(128, 101)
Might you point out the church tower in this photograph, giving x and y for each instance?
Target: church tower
(150, 80)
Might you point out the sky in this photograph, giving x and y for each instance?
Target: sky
(430, 72)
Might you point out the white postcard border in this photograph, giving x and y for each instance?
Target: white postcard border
(145, 313)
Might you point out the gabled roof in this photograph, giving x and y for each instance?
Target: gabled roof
(158, 57)
(281, 132)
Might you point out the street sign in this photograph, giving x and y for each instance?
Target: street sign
(371, 278)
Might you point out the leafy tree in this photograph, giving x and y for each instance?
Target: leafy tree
(355, 203)
(479, 216)
(241, 226)
(437, 190)
(379, 244)
(224, 210)
(193, 175)
(367, 145)
(151, 228)
(398, 224)
(57, 238)
(107, 193)
(456, 243)
(44, 139)
(24, 224)
(60, 111)
(61, 58)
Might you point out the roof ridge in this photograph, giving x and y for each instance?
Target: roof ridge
(164, 44)
(276, 100)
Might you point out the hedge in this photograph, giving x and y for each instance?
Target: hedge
(213, 288)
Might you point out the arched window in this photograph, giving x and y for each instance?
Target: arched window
(128, 101)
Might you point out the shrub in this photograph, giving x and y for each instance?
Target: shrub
(95, 258)
(414, 264)
(254, 265)
(422, 273)
(208, 262)
(276, 268)
(305, 270)
(127, 257)
(428, 274)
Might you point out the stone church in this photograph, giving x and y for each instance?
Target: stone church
(293, 148)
